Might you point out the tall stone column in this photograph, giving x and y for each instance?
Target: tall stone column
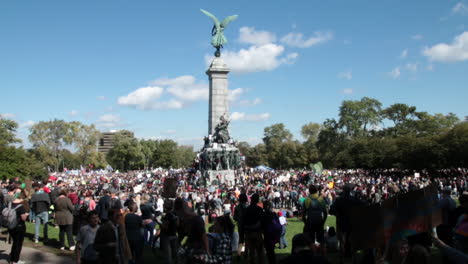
(217, 74)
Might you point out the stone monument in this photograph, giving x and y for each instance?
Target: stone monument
(219, 157)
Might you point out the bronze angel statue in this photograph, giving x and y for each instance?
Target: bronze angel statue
(217, 32)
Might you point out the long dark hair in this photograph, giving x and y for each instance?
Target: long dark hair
(226, 223)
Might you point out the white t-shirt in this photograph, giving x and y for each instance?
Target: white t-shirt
(160, 205)
(282, 220)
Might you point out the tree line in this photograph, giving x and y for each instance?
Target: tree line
(57, 144)
(367, 135)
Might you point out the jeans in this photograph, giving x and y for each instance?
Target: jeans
(41, 218)
(66, 229)
(149, 233)
(283, 242)
(169, 247)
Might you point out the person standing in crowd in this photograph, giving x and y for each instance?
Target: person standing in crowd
(103, 206)
(194, 225)
(147, 214)
(341, 208)
(447, 205)
(314, 217)
(17, 233)
(111, 241)
(64, 219)
(239, 217)
(168, 236)
(134, 230)
(222, 253)
(283, 223)
(55, 193)
(40, 203)
(271, 231)
(10, 196)
(85, 252)
(253, 227)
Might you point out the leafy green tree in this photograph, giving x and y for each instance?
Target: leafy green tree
(256, 156)
(8, 132)
(164, 154)
(357, 118)
(126, 154)
(311, 132)
(85, 139)
(52, 137)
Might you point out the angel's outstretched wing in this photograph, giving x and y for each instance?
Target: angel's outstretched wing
(227, 20)
(215, 20)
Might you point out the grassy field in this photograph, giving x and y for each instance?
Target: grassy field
(294, 227)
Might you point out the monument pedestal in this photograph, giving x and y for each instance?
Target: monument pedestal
(219, 157)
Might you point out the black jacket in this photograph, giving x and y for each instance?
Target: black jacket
(40, 202)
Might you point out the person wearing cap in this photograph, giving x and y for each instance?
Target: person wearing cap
(284, 223)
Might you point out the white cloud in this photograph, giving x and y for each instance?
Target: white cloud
(7, 116)
(233, 95)
(417, 37)
(460, 8)
(348, 91)
(256, 58)
(109, 121)
(395, 73)
(27, 124)
(404, 54)
(185, 88)
(253, 102)
(430, 67)
(348, 75)
(295, 39)
(171, 104)
(412, 67)
(73, 113)
(251, 36)
(457, 51)
(101, 98)
(238, 116)
(142, 98)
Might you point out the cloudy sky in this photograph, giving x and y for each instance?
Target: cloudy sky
(140, 65)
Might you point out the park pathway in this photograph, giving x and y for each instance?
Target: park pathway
(33, 255)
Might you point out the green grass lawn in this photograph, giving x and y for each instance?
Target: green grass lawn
(294, 227)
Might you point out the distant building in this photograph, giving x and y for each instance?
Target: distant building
(106, 142)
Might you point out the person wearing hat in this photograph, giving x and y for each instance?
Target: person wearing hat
(282, 219)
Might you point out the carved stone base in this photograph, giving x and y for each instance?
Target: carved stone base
(214, 177)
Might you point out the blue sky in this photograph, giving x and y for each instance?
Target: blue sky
(140, 65)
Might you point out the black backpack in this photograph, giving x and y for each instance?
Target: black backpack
(315, 213)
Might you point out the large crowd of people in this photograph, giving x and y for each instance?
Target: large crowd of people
(111, 217)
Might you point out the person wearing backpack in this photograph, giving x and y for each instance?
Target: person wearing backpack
(17, 225)
(314, 216)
